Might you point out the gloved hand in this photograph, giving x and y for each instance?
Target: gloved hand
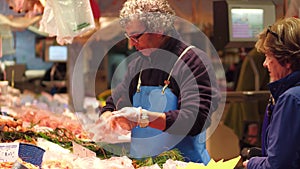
(127, 118)
(130, 113)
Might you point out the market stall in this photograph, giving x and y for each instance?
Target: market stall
(61, 131)
(55, 137)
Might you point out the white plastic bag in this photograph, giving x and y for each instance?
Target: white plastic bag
(101, 131)
(67, 19)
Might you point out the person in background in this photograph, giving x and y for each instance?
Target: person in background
(57, 72)
(281, 45)
(240, 114)
(233, 72)
(169, 92)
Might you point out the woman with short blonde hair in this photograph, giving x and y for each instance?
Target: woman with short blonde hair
(280, 140)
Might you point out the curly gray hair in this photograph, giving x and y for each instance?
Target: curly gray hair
(155, 14)
(283, 40)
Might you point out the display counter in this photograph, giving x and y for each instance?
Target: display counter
(46, 123)
(245, 96)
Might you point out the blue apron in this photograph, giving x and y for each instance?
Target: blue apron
(146, 142)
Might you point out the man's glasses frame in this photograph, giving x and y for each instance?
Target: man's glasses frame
(274, 34)
(135, 37)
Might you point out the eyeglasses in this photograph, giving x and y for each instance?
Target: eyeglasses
(274, 34)
(135, 37)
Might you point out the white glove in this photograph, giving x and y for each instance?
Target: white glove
(130, 113)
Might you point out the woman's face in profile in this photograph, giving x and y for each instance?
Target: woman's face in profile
(276, 70)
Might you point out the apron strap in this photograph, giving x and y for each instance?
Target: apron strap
(138, 87)
(167, 82)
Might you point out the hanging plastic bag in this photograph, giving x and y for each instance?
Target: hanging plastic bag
(47, 23)
(67, 19)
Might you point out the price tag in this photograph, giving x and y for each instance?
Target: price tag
(9, 152)
(81, 151)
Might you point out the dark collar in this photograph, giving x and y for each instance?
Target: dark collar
(280, 86)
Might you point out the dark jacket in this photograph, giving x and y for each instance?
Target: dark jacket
(282, 136)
